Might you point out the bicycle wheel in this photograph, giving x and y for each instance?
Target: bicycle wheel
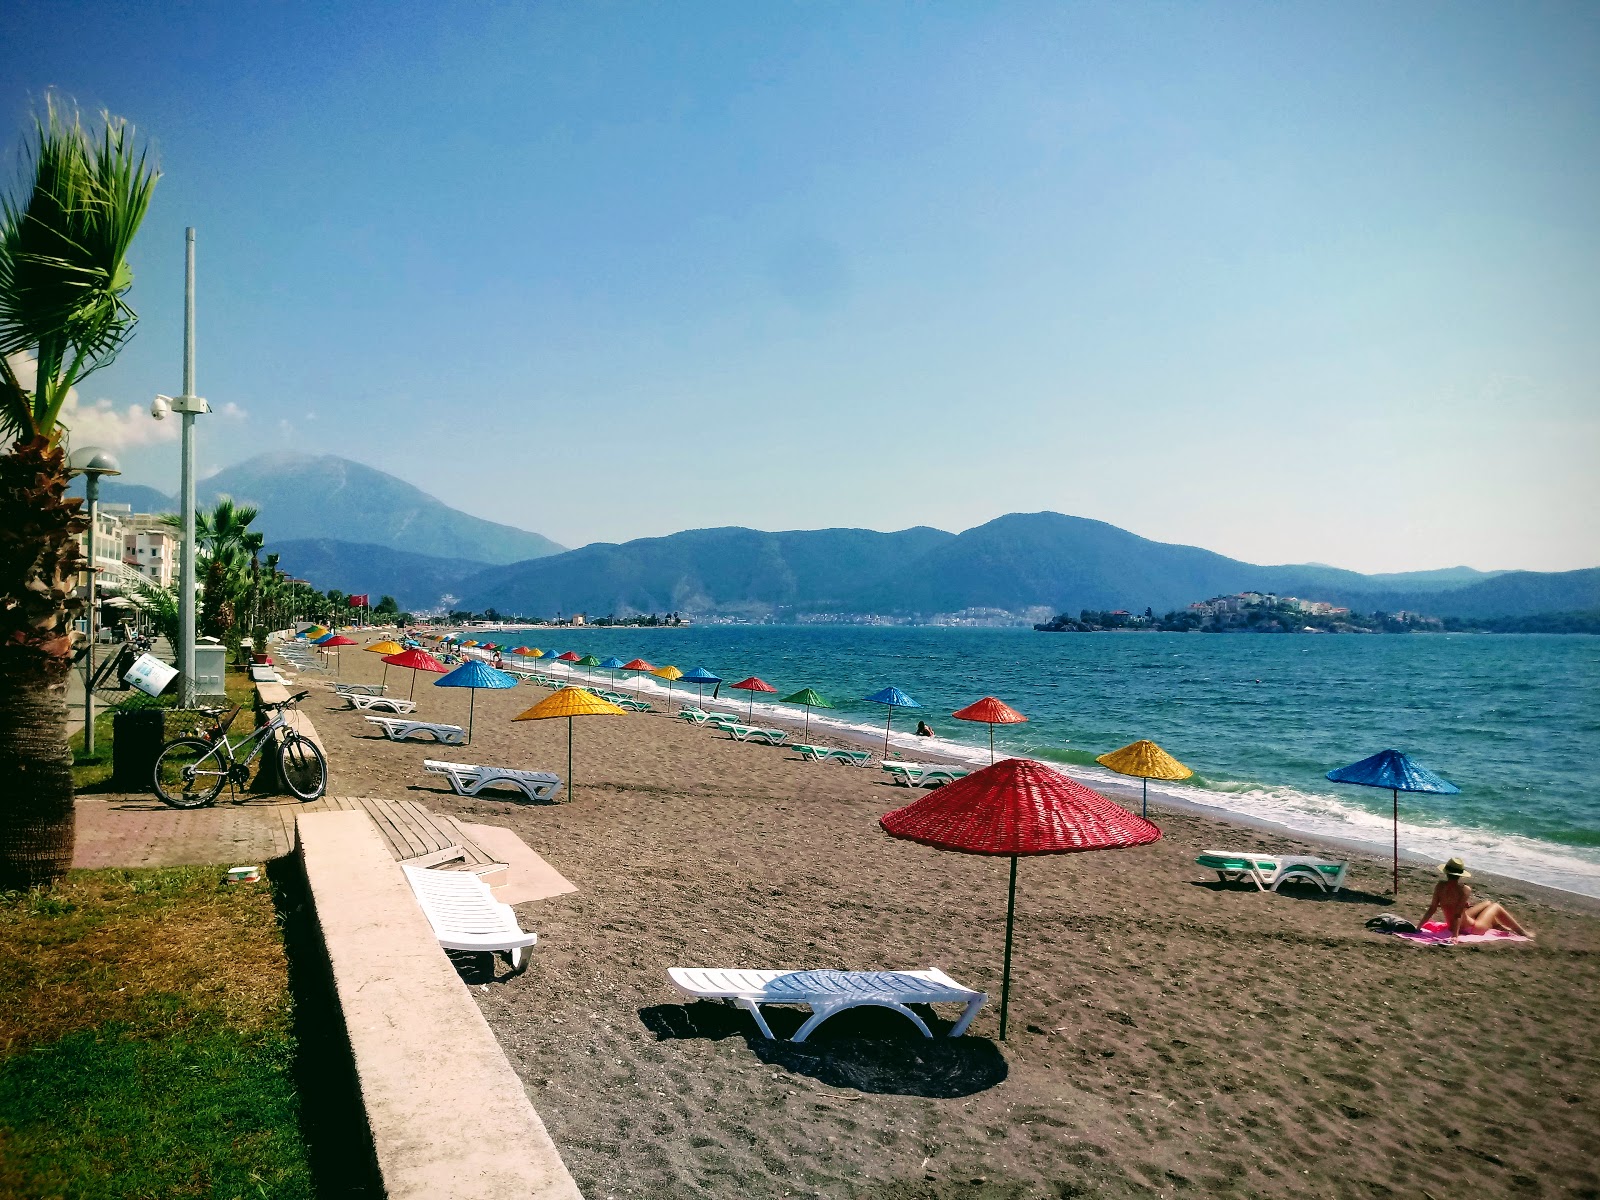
(301, 767)
(189, 773)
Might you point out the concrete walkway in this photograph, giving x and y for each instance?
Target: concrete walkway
(137, 831)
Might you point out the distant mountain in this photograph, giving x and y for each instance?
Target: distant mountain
(322, 496)
(142, 499)
(416, 581)
(1015, 563)
(733, 571)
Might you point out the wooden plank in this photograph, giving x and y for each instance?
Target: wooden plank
(451, 829)
(422, 831)
(400, 839)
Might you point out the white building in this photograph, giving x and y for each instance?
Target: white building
(150, 549)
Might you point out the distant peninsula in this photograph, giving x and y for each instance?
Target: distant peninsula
(1257, 612)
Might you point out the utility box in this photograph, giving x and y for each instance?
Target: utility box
(210, 666)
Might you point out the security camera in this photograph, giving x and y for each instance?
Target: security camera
(160, 407)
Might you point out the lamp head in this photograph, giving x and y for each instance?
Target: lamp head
(91, 460)
(160, 407)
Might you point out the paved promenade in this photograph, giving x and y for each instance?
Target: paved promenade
(140, 831)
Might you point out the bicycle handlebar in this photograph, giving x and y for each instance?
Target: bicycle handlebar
(295, 699)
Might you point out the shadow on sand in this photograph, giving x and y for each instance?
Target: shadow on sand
(869, 1049)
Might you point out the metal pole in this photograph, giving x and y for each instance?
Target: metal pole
(1011, 914)
(472, 706)
(186, 573)
(571, 787)
(92, 490)
(1144, 802)
(886, 721)
(1395, 792)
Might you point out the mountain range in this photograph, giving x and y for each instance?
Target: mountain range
(1023, 565)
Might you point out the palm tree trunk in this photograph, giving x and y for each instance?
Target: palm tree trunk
(39, 566)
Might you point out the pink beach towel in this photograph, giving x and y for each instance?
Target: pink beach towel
(1437, 933)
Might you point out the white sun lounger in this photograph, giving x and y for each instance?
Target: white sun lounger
(360, 689)
(853, 758)
(393, 704)
(1271, 871)
(466, 916)
(912, 774)
(398, 729)
(468, 779)
(828, 992)
(696, 716)
(749, 733)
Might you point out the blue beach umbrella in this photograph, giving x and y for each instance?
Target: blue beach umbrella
(611, 664)
(701, 676)
(894, 698)
(1393, 770)
(475, 674)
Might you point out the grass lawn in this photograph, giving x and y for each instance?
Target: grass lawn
(147, 1040)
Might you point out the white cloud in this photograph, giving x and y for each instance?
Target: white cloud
(99, 422)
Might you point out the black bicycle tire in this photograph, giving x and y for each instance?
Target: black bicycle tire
(199, 799)
(291, 744)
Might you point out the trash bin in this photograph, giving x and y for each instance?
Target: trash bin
(136, 741)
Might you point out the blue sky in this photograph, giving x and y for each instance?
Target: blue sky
(1289, 281)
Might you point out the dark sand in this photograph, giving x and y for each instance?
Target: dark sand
(1169, 1036)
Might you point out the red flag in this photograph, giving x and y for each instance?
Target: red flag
(359, 601)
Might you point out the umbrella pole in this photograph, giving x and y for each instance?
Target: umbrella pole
(886, 721)
(412, 694)
(1011, 915)
(991, 743)
(385, 684)
(808, 722)
(569, 758)
(1144, 798)
(472, 705)
(1395, 792)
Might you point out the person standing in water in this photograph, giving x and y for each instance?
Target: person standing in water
(1453, 900)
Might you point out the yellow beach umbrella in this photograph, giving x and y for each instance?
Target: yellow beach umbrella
(1147, 761)
(570, 702)
(671, 674)
(384, 647)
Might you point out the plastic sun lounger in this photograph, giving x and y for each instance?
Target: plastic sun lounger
(393, 704)
(912, 774)
(723, 720)
(697, 716)
(853, 758)
(828, 992)
(360, 689)
(466, 916)
(468, 779)
(398, 729)
(1270, 871)
(749, 733)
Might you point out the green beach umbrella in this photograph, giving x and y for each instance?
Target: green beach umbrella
(810, 699)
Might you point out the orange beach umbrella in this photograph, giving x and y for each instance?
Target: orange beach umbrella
(385, 647)
(991, 712)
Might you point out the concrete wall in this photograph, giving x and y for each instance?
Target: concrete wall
(449, 1118)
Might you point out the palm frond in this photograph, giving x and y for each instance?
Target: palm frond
(64, 241)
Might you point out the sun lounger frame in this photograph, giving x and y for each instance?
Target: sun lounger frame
(465, 915)
(398, 729)
(911, 774)
(469, 779)
(1269, 872)
(395, 704)
(828, 993)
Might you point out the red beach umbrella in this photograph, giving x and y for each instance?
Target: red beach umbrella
(992, 712)
(417, 660)
(638, 666)
(1016, 807)
(339, 639)
(752, 686)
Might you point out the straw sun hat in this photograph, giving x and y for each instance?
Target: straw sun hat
(1455, 869)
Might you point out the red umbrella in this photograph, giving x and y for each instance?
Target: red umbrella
(638, 666)
(1015, 807)
(417, 660)
(992, 712)
(339, 639)
(752, 685)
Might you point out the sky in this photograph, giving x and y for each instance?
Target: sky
(1292, 282)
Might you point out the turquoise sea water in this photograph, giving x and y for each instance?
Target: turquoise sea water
(1514, 721)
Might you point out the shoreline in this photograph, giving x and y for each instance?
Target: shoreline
(906, 747)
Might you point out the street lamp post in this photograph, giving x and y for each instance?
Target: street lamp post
(91, 462)
(189, 405)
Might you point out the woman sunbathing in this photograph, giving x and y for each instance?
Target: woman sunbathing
(1453, 900)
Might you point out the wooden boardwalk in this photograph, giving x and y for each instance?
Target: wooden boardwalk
(410, 831)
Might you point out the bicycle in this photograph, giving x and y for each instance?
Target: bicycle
(191, 770)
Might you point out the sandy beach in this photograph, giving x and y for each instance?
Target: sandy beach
(1168, 1036)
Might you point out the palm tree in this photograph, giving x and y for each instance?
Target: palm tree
(64, 274)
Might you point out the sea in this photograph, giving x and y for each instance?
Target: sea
(1512, 720)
